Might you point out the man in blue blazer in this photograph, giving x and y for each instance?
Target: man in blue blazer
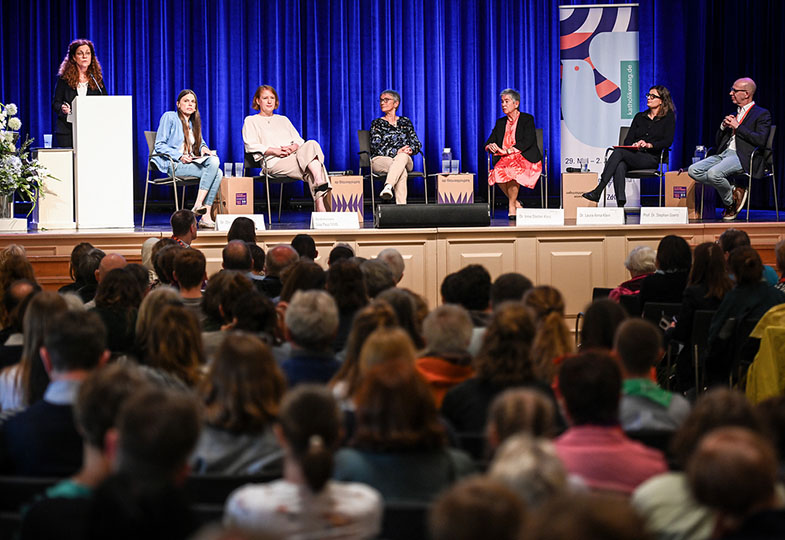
(738, 136)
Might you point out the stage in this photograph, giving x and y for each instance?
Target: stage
(571, 258)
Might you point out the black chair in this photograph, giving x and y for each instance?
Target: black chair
(205, 514)
(653, 438)
(171, 180)
(631, 304)
(701, 322)
(543, 177)
(364, 138)
(216, 488)
(744, 350)
(473, 444)
(600, 292)
(768, 171)
(404, 521)
(16, 491)
(250, 163)
(657, 312)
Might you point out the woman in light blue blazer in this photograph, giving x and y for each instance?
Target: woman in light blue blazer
(193, 156)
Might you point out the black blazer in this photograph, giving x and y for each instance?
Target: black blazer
(751, 133)
(66, 94)
(525, 137)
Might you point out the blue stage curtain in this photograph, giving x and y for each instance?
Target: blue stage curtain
(330, 59)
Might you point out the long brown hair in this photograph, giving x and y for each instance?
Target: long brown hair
(553, 338)
(708, 267)
(175, 344)
(196, 124)
(69, 72)
(505, 354)
(665, 99)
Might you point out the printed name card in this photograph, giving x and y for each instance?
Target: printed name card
(332, 221)
(599, 216)
(664, 216)
(223, 222)
(539, 217)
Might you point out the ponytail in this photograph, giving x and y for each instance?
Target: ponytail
(317, 463)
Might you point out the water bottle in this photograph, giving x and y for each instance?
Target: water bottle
(446, 160)
(700, 154)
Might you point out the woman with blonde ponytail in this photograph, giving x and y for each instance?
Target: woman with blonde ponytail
(552, 339)
(306, 503)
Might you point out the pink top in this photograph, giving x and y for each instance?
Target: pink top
(514, 167)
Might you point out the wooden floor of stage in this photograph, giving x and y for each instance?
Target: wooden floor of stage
(573, 259)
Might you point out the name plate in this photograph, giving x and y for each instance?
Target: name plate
(223, 222)
(547, 217)
(332, 221)
(599, 216)
(664, 216)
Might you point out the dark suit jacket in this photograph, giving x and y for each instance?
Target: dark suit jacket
(525, 137)
(66, 94)
(751, 133)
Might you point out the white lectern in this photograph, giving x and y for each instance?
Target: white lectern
(103, 162)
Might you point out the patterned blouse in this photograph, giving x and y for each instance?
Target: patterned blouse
(387, 139)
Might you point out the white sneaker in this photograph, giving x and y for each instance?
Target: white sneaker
(387, 192)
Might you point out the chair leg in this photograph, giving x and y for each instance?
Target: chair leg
(425, 186)
(749, 196)
(703, 187)
(269, 206)
(774, 190)
(280, 202)
(373, 194)
(144, 204)
(182, 198)
(696, 363)
(176, 203)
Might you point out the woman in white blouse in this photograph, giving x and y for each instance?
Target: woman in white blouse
(274, 136)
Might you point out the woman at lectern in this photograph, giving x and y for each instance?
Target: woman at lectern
(513, 142)
(272, 136)
(651, 131)
(79, 75)
(191, 154)
(393, 143)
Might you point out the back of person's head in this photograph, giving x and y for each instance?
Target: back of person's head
(771, 413)
(553, 338)
(505, 354)
(118, 290)
(339, 252)
(520, 410)
(223, 290)
(304, 275)
(447, 330)
(588, 517)
(590, 383)
(77, 254)
(346, 284)
(147, 252)
(15, 299)
(254, 312)
(394, 261)
(378, 277)
(163, 261)
(311, 425)
(279, 258)
(75, 341)
(730, 239)
(151, 307)
(734, 470)
(159, 245)
(257, 255)
(237, 256)
(673, 254)
(89, 263)
(779, 253)
(395, 411)
(312, 319)
(470, 287)
(242, 228)
(243, 387)
(709, 268)
(189, 268)
(112, 261)
(157, 430)
(509, 287)
(14, 267)
(639, 345)
(181, 222)
(100, 398)
(174, 344)
(717, 408)
(641, 260)
(304, 245)
(530, 467)
(601, 319)
(478, 507)
(405, 307)
(386, 345)
(42, 309)
(746, 266)
(140, 275)
(11, 249)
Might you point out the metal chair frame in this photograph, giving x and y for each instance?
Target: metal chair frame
(251, 163)
(364, 138)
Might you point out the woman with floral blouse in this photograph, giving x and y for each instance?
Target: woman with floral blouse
(393, 142)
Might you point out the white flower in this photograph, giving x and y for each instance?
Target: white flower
(14, 123)
(11, 109)
(9, 137)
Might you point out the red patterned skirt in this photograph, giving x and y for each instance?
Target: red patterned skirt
(515, 167)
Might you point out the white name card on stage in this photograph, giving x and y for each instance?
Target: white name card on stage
(600, 216)
(545, 217)
(223, 222)
(332, 221)
(664, 216)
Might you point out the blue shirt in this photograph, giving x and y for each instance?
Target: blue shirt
(309, 367)
(169, 138)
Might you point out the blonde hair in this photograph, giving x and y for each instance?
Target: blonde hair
(553, 338)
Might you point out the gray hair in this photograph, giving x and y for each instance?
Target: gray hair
(641, 260)
(312, 319)
(514, 95)
(448, 329)
(393, 259)
(395, 95)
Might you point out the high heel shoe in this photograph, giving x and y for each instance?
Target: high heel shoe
(199, 210)
(591, 196)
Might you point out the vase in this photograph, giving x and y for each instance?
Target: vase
(7, 206)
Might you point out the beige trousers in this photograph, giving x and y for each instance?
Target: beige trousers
(397, 170)
(296, 165)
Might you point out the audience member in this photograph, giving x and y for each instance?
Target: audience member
(509, 287)
(304, 275)
(447, 332)
(779, 252)
(394, 261)
(222, 291)
(477, 507)
(346, 285)
(80, 250)
(667, 284)
(147, 258)
(163, 261)
(87, 269)
(184, 229)
(504, 361)
(241, 394)
(771, 413)
(306, 503)
(190, 273)
(15, 300)
(731, 239)
(399, 445)
(640, 263)
(141, 276)
(174, 346)
(340, 251)
(305, 247)
(254, 313)
(257, 254)
(117, 302)
(149, 310)
(242, 228)
(600, 320)
(644, 405)
(519, 411)
(594, 447)
(276, 260)
(14, 268)
(311, 324)
(553, 339)
(404, 304)
(377, 276)
(42, 440)
(237, 256)
(386, 345)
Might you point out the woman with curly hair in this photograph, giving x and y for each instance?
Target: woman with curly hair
(80, 74)
(553, 339)
(174, 346)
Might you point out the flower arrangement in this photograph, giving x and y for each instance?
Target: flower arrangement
(18, 170)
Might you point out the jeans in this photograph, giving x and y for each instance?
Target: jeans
(619, 162)
(715, 171)
(209, 174)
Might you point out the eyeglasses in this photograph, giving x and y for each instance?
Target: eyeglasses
(737, 90)
(385, 99)
(653, 96)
